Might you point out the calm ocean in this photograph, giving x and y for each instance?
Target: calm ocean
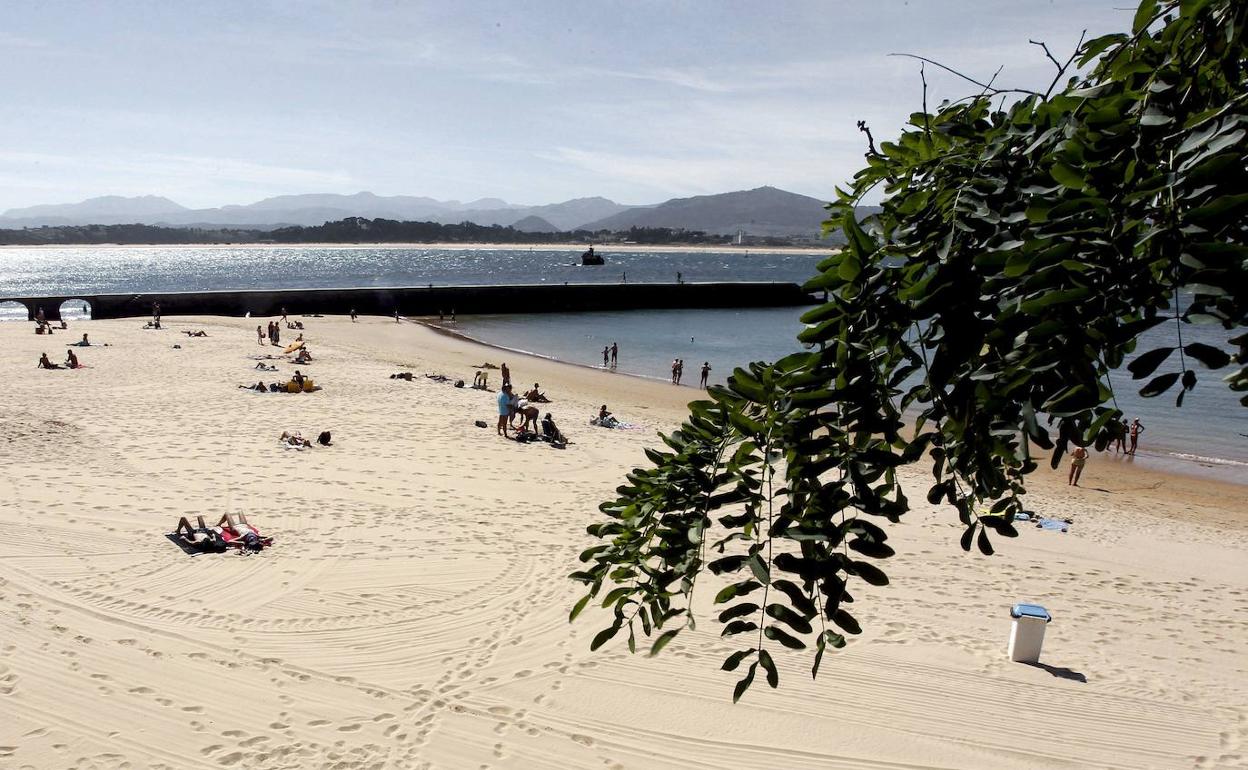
(1206, 436)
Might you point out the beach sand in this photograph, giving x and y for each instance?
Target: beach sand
(413, 611)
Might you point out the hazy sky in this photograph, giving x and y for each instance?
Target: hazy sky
(211, 103)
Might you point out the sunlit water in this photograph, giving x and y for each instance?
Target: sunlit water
(1205, 436)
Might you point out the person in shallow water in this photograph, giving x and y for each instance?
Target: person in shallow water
(1137, 428)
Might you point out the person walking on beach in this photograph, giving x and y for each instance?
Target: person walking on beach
(353, 315)
(615, 354)
(606, 356)
(1137, 428)
(706, 372)
(1077, 460)
(506, 374)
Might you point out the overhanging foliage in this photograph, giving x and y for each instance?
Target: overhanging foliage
(1022, 250)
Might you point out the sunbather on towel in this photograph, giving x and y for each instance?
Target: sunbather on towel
(295, 439)
(238, 532)
(201, 538)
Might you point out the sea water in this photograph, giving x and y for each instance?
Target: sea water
(1207, 435)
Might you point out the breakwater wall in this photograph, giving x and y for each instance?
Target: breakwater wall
(430, 300)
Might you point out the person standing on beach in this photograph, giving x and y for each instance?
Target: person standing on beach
(615, 354)
(353, 316)
(1077, 460)
(1120, 444)
(680, 370)
(675, 363)
(1137, 428)
(606, 356)
(259, 335)
(277, 333)
(706, 373)
(504, 408)
(506, 373)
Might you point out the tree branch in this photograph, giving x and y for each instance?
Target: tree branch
(862, 126)
(986, 86)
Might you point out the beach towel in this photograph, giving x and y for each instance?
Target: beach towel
(1053, 524)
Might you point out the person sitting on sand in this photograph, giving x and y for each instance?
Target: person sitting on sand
(84, 342)
(536, 396)
(44, 363)
(605, 418)
(71, 360)
(298, 378)
(551, 431)
(295, 439)
(303, 356)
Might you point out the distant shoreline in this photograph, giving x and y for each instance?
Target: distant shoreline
(576, 248)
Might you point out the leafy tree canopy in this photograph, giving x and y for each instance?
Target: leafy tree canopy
(1025, 242)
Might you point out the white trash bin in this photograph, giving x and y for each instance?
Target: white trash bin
(1027, 634)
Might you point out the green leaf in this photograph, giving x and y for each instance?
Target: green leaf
(1147, 363)
(576, 608)
(1068, 176)
(1159, 385)
(759, 568)
(1143, 15)
(604, 636)
(662, 641)
(764, 660)
(732, 661)
(744, 684)
(783, 637)
(1212, 357)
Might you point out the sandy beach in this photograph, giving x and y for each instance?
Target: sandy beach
(413, 609)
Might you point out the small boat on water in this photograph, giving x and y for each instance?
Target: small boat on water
(590, 258)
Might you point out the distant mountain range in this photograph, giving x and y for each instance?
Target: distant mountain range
(764, 211)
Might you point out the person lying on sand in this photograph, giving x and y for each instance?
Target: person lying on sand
(44, 363)
(259, 387)
(536, 396)
(201, 538)
(196, 333)
(295, 439)
(238, 532)
(71, 360)
(152, 325)
(402, 376)
(266, 367)
(486, 365)
(438, 377)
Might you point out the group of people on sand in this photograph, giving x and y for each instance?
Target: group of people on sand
(274, 334)
(232, 531)
(678, 372)
(1079, 456)
(71, 361)
(512, 407)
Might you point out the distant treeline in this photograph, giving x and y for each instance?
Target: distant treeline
(361, 230)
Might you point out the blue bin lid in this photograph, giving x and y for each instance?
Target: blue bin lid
(1030, 611)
